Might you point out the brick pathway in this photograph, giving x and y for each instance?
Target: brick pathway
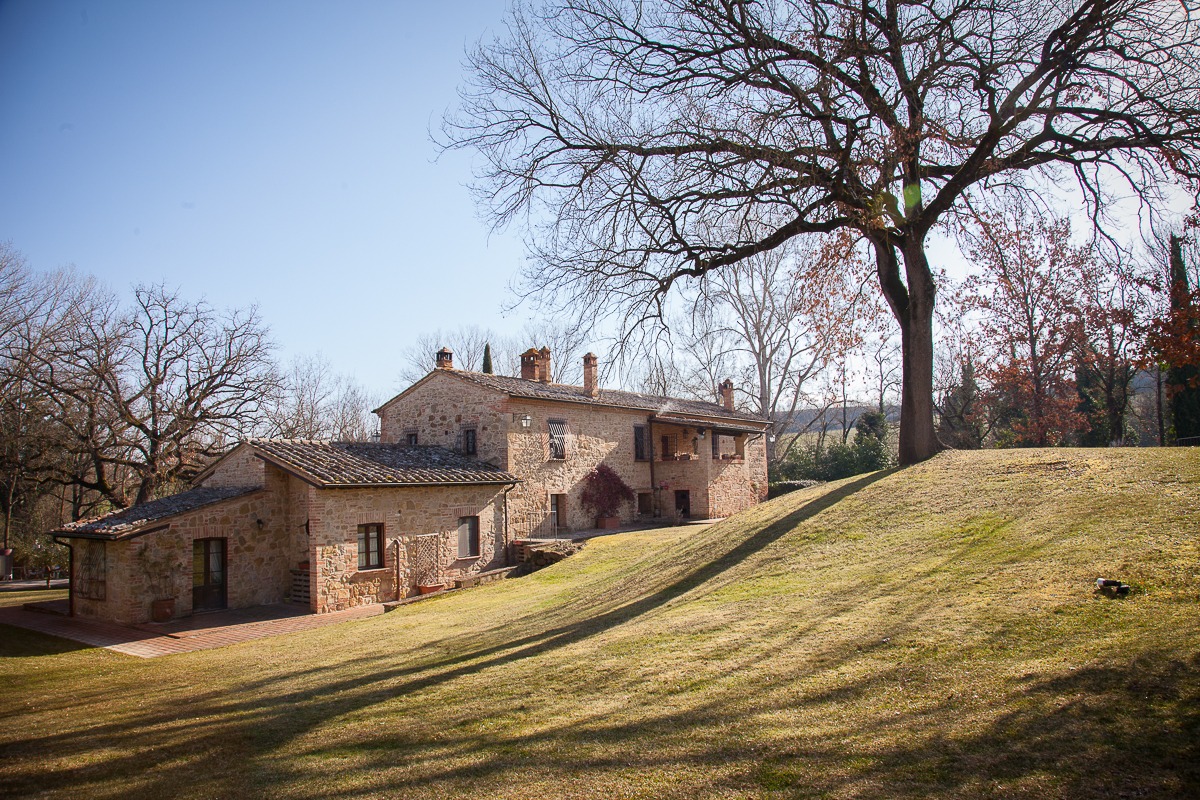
(144, 642)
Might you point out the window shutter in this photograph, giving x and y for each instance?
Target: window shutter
(558, 438)
(464, 537)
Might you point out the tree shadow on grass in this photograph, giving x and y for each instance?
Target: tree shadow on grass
(21, 643)
(245, 727)
(334, 697)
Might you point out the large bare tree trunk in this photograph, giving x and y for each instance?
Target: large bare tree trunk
(912, 302)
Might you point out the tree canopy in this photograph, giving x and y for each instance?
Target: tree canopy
(648, 142)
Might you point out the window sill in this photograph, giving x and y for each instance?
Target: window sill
(380, 568)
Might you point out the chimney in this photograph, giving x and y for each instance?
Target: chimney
(727, 394)
(591, 384)
(444, 359)
(529, 364)
(544, 375)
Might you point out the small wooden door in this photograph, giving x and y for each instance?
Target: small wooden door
(558, 514)
(683, 502)
(208, 575)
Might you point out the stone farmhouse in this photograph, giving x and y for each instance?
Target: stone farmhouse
(466, 464)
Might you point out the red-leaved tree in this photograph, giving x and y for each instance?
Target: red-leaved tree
(1026, 293)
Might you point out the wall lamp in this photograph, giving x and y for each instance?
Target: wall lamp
(525, 421)
(260, 524)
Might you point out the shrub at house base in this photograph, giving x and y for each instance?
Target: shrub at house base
(603, 494)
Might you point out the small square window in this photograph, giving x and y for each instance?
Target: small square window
(370, 546)
(468, 441)
(410, 437)
(468, 537)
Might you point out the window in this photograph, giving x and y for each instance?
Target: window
(558, 439)
(370, 546)
(645, 503)
(639, 443)
(468, 441)
(468, 537)
(716, 445)
(410, 437)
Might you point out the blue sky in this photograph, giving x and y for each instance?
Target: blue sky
(275, 153)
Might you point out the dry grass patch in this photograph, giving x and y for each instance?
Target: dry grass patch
(929, 632)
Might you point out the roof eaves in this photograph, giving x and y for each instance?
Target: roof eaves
(416, 484)
(456, 373)
(149, 525)
(119, 536)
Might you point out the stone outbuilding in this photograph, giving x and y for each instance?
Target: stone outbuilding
(333, 525)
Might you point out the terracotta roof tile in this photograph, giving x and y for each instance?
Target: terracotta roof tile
(130, 520)
(344, 464)
(536, 390)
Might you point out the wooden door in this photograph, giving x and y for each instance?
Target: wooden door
(208, 575)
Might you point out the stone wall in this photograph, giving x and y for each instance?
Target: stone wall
(239, 467)
(258, 561)
(439, 406)
(405, 514)
(738, 484)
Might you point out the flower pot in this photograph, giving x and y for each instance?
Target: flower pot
(430, 588)
(162, 610)
(608, 523)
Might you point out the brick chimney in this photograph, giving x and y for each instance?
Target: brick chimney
(727, 394)
(444, 359)
(591, 382)
(530, 364)
(544, 373)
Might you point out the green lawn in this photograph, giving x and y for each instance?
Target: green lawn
(929, 632)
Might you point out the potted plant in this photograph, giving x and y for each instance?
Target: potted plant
(603, 494)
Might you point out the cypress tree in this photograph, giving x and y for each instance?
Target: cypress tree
(487, 358)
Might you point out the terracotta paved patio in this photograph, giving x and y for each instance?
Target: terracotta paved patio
(200, 632)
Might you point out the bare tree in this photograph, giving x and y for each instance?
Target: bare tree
(649, 142)
(311, 401)
(785, 316)
(144, 396)
(466, 342)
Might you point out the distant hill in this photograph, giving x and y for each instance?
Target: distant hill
(804, 419)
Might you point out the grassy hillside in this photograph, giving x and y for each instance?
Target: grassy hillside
(930, 632)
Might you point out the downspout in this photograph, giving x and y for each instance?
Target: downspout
(70, 575)
(650, 454)
(507, 540)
